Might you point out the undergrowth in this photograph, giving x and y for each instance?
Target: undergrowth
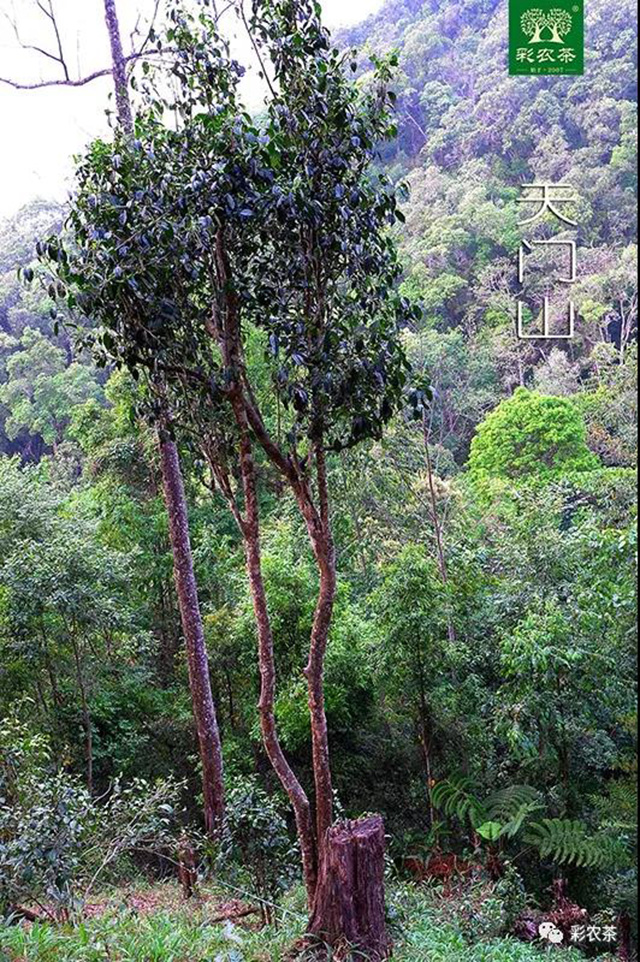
(183, 934)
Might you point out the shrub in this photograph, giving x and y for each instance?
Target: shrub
(258, 841)
(531, 436)
(56, 841)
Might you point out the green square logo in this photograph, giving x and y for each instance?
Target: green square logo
(546, 37)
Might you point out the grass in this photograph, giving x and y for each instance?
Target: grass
(428, 934)
(169, 931)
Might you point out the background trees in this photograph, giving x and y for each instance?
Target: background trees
(531, 436)
(532, 456)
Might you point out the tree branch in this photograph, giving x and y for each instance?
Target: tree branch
(46, 7)
(82, 81)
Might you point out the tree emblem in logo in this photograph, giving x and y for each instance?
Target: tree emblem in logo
(556, 22)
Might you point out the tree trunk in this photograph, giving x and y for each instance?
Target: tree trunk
(176, 504)
(319, 528)
(349, 911)
(537, 36)
(251, 535)
(123, 101)
(315, 678)
(229, 340)
(199, 680)
(442, 561)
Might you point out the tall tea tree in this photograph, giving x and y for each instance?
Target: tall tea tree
(151, 267)
(325, 292)
(173, 484)
(183, 223)
(324, 295)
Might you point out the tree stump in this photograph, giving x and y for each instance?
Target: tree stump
(349, 909)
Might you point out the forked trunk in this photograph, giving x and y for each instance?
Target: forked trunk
(343, 865)
(199, 680)
(250, 528)
(348, 919)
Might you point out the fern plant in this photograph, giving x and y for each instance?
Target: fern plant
(512, 807)
(455, 798)
(508, 813)
(503, 813)
(571, 843)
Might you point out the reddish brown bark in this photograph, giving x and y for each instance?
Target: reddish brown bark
(319, 528)
(318, 523)
(349, 913)
(251, 534)
(175, 500)
(199, 680)
(224, 328)
(346, 896)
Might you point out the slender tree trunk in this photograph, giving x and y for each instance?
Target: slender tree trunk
(199, 680)
(123, 101)
(251, 535)
(319, 527)
(175, 500)
(442, 561)
(228, 337)
(334, 897)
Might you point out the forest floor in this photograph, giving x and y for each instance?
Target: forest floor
(154, 924)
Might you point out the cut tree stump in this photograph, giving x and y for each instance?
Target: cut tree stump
(349, 909)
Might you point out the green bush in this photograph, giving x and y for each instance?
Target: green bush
(531, 436)
(258, 842)
(56, 841)
(434, 929)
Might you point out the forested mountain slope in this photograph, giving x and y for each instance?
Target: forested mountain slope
(484, 630)
(470, 136)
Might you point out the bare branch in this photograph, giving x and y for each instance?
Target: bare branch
(147, 39)
(82, 81)
(56, 83)
(134, 33)
(49, 13)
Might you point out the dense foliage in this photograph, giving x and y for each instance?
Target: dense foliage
(480, 674)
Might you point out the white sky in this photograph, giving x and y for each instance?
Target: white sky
(40, 130)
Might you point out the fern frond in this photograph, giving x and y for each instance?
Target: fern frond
(513, 806)
(455, 798)
(571, 843)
